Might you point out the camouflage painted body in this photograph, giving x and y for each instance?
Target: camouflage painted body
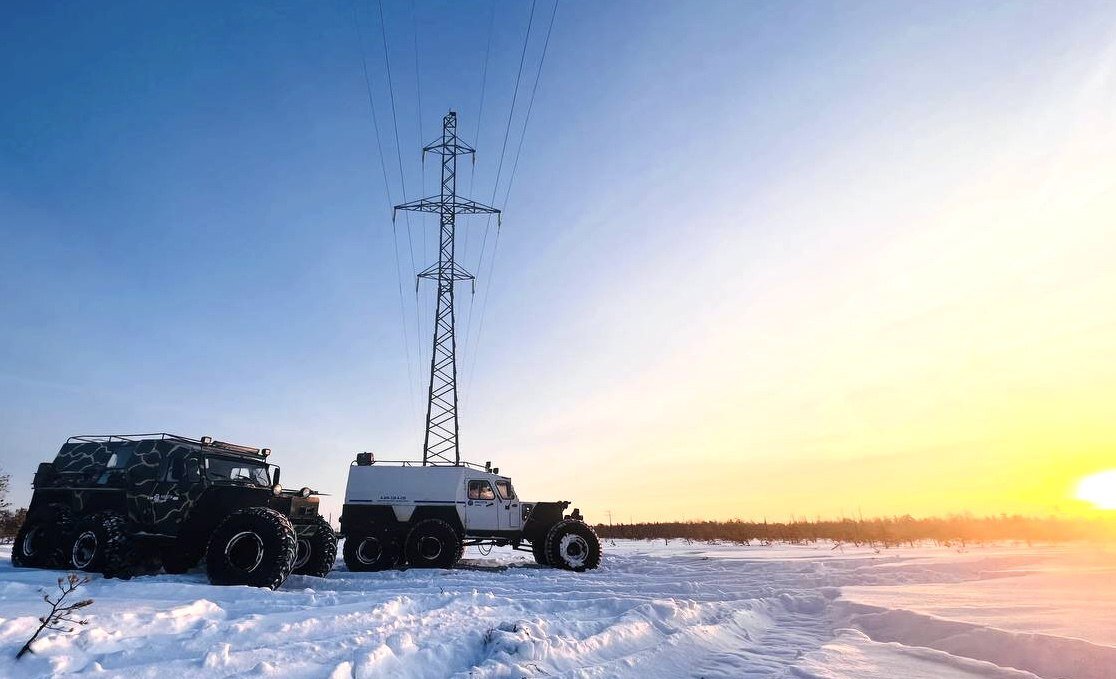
(138, 485)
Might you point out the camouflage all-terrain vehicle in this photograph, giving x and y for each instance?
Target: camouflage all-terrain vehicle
(117, 504)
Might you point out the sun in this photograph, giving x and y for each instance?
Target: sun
(1099, 489)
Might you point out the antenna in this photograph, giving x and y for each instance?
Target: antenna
(440, 446)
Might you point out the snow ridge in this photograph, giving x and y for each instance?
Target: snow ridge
(1041, 654)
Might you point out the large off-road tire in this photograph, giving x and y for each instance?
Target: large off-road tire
(538, 549)
(377, 551)
(180, 557)
(316, 553)
(42, 539)
(254, 546)
(31, 544)
(100, 543)
(573, 545)
(432, 543)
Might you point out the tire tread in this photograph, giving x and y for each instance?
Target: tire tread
(323, 551)
(430, 526)
(567, 526)
(285, 546)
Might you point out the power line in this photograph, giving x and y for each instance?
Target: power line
(418, 97)
(402, 175)
(473, 166)
(387, 194)
(395, 125)
(418, 78)
(503, 152)
(530, 105)
(419, 306)
(507, 193)
(480, 110)
(515, 96)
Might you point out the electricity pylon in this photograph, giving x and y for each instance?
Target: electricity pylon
(440, 445)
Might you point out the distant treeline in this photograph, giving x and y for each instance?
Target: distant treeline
(886, 532)
(10, 520)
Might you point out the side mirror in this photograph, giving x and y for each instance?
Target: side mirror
(275, 476)
(193, 470)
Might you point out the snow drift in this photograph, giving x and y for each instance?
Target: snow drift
(652, 610)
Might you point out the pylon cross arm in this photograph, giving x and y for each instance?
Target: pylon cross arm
(453, 147)
(457, 273)
(460, 206)
(464, 206)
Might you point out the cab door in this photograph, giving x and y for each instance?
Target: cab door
(482, 512)
(511, 517)
(172, 492)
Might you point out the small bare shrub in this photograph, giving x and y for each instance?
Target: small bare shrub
(61, 616)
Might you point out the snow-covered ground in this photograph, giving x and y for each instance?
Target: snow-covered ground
(652, 610)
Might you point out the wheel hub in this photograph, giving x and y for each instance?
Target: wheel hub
(369, 551)
(245, 551)
(85, 548)
(574, 550)
(429, 547)
(28, 544)
(303, 553)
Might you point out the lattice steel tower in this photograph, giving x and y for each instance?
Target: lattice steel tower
(440, 445)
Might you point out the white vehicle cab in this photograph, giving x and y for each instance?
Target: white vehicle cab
(399, 513)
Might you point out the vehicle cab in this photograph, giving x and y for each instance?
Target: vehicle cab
(491, 504)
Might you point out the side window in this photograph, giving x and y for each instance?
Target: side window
(504, 488)
(176, 468)
(481, 490)
(117, 461)
(109, 466)
(122, 457)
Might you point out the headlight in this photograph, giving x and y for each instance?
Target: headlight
(305, 492)
(276, 489)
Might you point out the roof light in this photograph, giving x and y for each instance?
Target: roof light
(304, 492)
(207, 440)
(265, 451)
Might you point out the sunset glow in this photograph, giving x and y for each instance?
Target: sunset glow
(1099, 489)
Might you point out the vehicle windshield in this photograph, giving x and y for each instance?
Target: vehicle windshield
(504, 488)
(243, 471)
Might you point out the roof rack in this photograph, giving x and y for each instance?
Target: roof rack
(418, 463)
(206, 441)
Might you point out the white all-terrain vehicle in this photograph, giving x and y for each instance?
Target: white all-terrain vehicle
(399, 513)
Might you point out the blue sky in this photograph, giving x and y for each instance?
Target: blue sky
(719, 208)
